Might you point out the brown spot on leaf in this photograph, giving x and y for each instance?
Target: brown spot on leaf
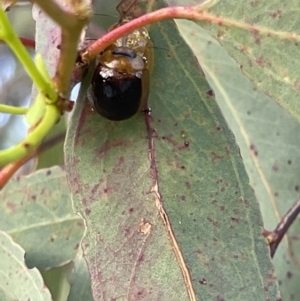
(256, 36)
(139, 293)
(121, 160)
(276, 14)
(187, 115)
(254, 3)
(243, 49)
(95, 188)
(261, 61)
(297, 85)
(107, 190)
(215, 157)
(227, 150)
(275, 167)
(212, 221)
(289, 275)
(173, 142)
(254, 150)
(220, 33)
(188, 185)
(210, 93)
(202, 281)
(219, 181)
(12, 206)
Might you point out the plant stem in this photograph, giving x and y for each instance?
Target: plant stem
(33, 139)
(195, 13)
(13, 110)
(72, 23)
(275, 237)
(10, 169)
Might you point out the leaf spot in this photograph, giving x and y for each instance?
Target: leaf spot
(215, 157)
(215, 224)
(144, 227)
(289, 275)
(275, 14)
(210, 93)
(254, 150)
(202, 281)
(235, 219)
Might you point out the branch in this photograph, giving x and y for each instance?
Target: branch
(72, 21)
(7, 172)
(195, 13)
(64, 18)
(274, 238)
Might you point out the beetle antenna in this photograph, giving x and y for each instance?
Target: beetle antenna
(105, 15)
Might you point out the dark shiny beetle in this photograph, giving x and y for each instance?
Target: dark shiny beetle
(120, 84)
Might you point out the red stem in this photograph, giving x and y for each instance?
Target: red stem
(162, 14)
(26, 42)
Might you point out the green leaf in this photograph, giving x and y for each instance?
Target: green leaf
(266, 135)
(17, 282)
(80, 284)
(57, 281)
(169, 211)
(37, 212)
(263, 38)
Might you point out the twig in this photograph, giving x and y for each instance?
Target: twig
(10, 169)
(13, 110)
(72, 22)
(196, 13)
(275, 237)
(62, 17)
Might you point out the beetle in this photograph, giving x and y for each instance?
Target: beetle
(120, 84)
